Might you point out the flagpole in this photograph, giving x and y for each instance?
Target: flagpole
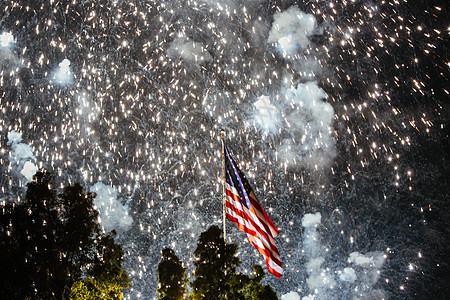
(222, 135)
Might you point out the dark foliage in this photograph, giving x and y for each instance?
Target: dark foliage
(172, 276)
(49, 241)
(216, 275)
(215, 263)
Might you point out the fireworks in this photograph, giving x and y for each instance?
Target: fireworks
(330, 106)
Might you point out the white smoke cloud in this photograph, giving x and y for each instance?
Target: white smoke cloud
(7, 57)
(14, 137)
(113, 214)
(6, 38)
(308, 97)
(63, 75)
(22, 157)
(28, 170)
(290, 296)
(188, 50)
(308, 122)
(348, 274)
(301, 113)
(291, 30)
(319, 278)
(311, 220)
(357, 280)
(266, 114)
(22, 151)
(368, 266)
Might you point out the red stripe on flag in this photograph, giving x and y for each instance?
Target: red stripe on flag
(255, 204)
(256, 214)
(270, 251)
(247, 221)
(259, 230)
(262, 251)
(269, 267)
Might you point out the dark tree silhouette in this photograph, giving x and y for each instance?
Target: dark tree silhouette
(254, 290)
(216, 275)
(215, 263)
(49, 241)
(172, 276)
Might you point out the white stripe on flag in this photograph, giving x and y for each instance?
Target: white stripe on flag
(260, 240)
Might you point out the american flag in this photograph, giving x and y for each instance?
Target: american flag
(244, 209)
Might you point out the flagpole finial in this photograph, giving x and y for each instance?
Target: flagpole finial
(222, 133)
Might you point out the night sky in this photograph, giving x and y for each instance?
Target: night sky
(338, 112)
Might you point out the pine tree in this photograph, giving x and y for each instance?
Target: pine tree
(49, 241)
(172, 276)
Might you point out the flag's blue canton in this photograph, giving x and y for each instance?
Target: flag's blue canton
(236, 178)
